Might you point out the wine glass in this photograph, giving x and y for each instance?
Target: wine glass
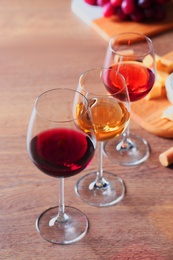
(110, 116)
(132, 54)
(60, 149)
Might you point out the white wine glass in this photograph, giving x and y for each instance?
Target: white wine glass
(58, 148)
(131, 54)
(110, 116)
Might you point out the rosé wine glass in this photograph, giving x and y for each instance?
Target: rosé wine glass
(132, 54)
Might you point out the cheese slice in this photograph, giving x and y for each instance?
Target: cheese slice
(169, 88)
(163, 68)
(164, 64)
(161, 76)
(168, 113)
(148, 61)
(157, 91)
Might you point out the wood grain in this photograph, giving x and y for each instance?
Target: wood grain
(44, 45)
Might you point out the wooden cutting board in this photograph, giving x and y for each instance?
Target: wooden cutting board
(107, 27)
(147, 113)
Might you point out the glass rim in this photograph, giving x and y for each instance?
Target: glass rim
(132, 33)
(51, 90)
(101, 69)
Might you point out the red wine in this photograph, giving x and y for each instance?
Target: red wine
(61, 152)
(139, 79)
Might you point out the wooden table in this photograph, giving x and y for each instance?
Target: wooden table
(44, 45)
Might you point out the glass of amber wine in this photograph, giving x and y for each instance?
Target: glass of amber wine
(110, 116)
(131, 54)
(58, 148)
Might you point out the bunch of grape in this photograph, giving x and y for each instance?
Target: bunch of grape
(135, 10)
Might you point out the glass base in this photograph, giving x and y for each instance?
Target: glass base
(136, 151)
(70, 231)
(111, 192)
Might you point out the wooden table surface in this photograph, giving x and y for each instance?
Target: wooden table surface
(44, 45)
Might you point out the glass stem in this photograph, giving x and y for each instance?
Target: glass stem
(127, 143)
(62, 216)
(100, 162)
(100, 181)
(126, 135)
(127, 131)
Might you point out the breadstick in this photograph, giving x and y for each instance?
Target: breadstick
(166, 158)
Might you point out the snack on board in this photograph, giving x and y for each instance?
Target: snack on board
(169, 88)
(166, 158)
(149, 113)
(164, 67)
(164, 64)
(168, 113)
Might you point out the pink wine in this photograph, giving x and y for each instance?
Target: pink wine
(139, 79)
(61, 152)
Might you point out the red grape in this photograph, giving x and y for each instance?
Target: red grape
(149, 13)
(102, 2)
(128, 6)
(119, 13)
(91, 2)
(161, 2)
(116, 3)
(137, 15)
(144, 3)
(135, 10)
(159, 13)
(108, 10)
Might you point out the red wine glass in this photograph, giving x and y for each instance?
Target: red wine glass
(58, 148)
(132, 54)
(110, 116)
